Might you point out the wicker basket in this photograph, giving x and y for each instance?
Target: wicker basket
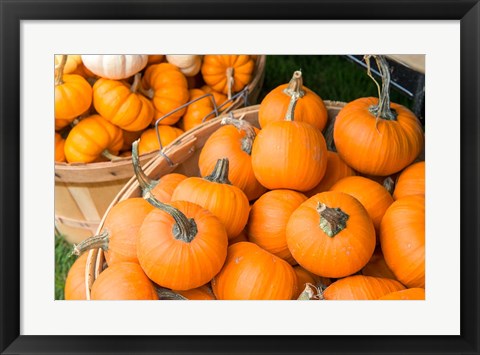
(184, 153)
(83, 192)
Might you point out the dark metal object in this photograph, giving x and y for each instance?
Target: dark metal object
(405, 80)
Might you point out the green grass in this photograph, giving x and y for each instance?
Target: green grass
(63, 262)
(332, 77)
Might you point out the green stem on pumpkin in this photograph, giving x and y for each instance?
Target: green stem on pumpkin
(167, 294)
(61, 66)
(146, 184)
(220, 172)
(96, 241)
(383, 109)
(294, 90)
(107, 154)
(389, 184)
(332, 220)
(184, 229)
(243, 126)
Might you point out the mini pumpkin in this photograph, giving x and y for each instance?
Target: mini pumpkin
(251, 273)
(114, 66)
(403, 295)
(377, 266)
(189, 65)
(309, 107)
(59, 148)
(331, 235)
(149, 138)
(75, 285)
(377, 137)
(359, 287)
(197, 112)
(411, 181)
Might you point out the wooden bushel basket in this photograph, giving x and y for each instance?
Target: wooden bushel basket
(183, 153)
(83, 192)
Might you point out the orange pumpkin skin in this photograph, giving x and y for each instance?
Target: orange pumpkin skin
(337, 169)
(155, 58)
(167, 87)
(377, 266)
(224, 200)
(90, 137)
(235, 144)
(309, 107)
(198, 111)
(122, 223)
(119, 103)
(268, 220)
(73, 96)
(149, 140)
(319, 247)
(220, 99)
(165, 186)
(215, 67)
(404, 295)
(202, 293)
(377, 149)
(289, 155)
(181, 264)
(402, 237)
(123, 281)
(59, 148)
(373, 196)
(411, 181)
(361, 287)
(75, 286)
(251, 273)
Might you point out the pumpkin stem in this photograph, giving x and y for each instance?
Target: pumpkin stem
(389, 184)
(247, 128)
(294, 90)
(107, 154)
(136, 82)
(382, 110)
(167, 294)
(61, 66)
(146, 184)
(96, 241)
(311, 292)
(332, 220)
(230, 81)
(220, 172)
(184, 229)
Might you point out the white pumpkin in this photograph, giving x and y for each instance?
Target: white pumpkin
(189, 65)
(116, 67)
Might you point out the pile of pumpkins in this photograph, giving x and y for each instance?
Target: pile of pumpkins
(105, 102)
(276, 215)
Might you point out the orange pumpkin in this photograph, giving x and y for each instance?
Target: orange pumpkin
(411, 181)
(215, 193)
(123, 281)
(331, 235)
(408, 294)
(309, 107)
(149, 139)
(233, 141)
(220, 99)
(181, 245)
(227, 74)
(361, 287)
(289, 155)
(377, 266)
(59, 148)
(122, 105)
(402, 237)
(167, 87)
(337, 169)
(155, 58)
(75, 285)
(305, 277)
(268, 220)
(91, 138)
(252, 273)
(377, 137)
(197, 112)
(73, 96)
(373, 196)
(119, 236)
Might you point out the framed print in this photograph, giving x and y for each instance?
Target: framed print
(444, 35)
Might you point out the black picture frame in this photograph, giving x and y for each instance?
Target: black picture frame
(13, 12)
